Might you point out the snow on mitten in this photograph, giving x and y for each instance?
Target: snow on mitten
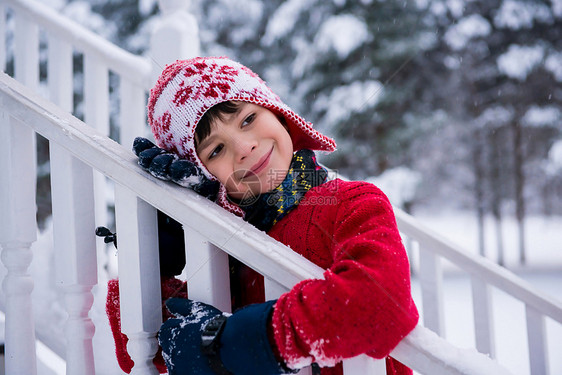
(168, 167)
(171, 288)
(202, 340)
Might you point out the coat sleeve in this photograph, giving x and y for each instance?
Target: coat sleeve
(364, 303)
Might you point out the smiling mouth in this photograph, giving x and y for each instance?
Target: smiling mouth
(259, 166)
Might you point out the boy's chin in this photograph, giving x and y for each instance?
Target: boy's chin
(243, 200)
(247, 198)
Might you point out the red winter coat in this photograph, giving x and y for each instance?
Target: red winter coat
(364, 304)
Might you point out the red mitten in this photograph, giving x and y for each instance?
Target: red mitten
(171, 287)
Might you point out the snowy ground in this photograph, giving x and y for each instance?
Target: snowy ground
(544, 271)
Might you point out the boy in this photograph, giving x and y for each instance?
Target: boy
(231, 132)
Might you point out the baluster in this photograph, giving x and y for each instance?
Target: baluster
(431, 282)
(131, 112)
(363, 364)
(73, 223)
(411, 247)
(483, 322)
(207, 271)
(75, 255)
(2, 37)
(17, 233)
(96, 115)
(273, 289)
(96, 94)
(26, 51)
(59, 72)
(139, 278)
(538, 355)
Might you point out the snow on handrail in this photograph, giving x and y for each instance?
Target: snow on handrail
(134, 68)
(427, 353)
(480, 267)
(420, 350)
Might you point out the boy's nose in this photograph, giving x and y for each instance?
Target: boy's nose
(244, 148)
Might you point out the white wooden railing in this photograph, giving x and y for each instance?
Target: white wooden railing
(210, 233)
(484, 276)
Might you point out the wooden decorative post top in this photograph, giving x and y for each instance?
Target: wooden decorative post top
(175, 36)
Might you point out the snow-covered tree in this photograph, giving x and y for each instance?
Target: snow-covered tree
(503, 58)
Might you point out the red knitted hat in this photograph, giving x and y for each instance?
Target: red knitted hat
(187, 89)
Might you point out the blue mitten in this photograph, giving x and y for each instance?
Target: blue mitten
(167, 166)
(202, 340)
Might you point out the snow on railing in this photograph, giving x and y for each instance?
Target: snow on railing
(210, 231)
(484, 274)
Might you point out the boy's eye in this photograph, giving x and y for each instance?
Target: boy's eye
(215, 151)
(248, 120)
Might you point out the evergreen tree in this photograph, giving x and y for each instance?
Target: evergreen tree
(504, 59)
(349, 64)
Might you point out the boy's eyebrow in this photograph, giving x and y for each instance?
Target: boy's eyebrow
(202, 145)
(227, 117)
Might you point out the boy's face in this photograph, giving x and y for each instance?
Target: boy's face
(249, 151)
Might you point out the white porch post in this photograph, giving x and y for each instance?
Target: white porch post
(176, 36)
(18, 230)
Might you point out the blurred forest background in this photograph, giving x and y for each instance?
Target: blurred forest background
(443, 103)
